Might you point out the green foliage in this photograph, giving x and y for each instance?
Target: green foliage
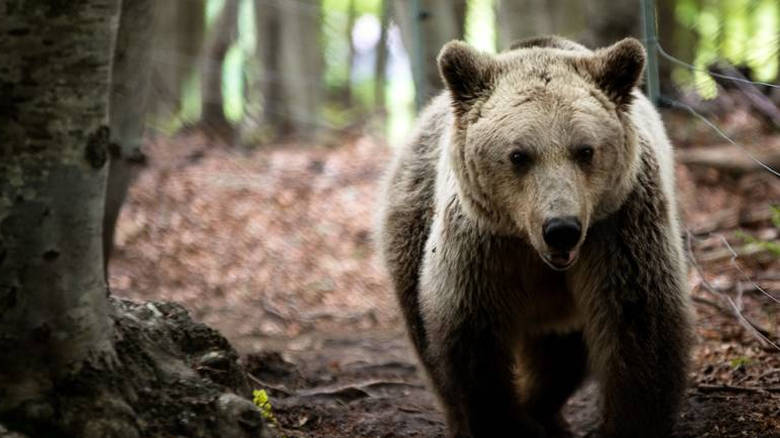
(739, 31)
(773, 247)
(740, 362)
(263, 402)
(775, 215)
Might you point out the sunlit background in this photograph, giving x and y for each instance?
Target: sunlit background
(350, 34)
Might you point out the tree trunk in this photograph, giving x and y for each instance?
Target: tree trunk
(55, 84)
(73, 362)
(520, 19)
(669, 32)
(610, 21)
(290, 51)
(351, 16)
(268, 24)
(180, 28)
(128, 105)
(190, 36)
(380, 66)
(223, 35)
(426, 31)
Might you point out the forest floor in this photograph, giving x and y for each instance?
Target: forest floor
(273, 247)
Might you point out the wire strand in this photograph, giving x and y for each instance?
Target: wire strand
(681, 105)
(743, 320)
(666, 55)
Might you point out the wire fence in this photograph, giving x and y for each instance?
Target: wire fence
(735, 307)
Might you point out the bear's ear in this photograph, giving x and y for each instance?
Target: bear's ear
(467, 73)
(617, 69)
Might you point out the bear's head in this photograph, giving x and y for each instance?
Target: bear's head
(542, 144)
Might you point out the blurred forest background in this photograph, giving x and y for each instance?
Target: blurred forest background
(272, 68)
(250, 196)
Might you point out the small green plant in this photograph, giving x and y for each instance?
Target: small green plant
(775, 215)
(739, 362)
(263, 402)
(766, 245)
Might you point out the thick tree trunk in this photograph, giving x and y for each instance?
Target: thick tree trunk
(223, 35)
(290, 51)
(128, 108)
(56, 65)
(426, 31)
(74, 363)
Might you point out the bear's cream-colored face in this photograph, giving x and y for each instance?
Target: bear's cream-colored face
(540, 147)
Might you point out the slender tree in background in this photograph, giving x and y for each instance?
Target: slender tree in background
(56, 65)
(380, 65)
(427, 30)
(269, 34)
(223, 34)
(128, 108)
(289, 49)
(180, 32)
(351, 16)
(675, 36)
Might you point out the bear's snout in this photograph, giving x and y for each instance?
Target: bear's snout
(562, 234)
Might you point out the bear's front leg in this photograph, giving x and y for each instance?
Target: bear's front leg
(631, 288)
(641, 370)
(471, 367)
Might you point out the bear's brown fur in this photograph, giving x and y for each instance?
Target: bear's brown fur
(531, 233)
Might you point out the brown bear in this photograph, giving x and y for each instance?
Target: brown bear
(531, 233)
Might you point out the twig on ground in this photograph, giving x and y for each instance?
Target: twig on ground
(277, 388)
(760, 333)
(706, 388)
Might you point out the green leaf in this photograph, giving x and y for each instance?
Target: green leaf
(775, 215)
(740, 362)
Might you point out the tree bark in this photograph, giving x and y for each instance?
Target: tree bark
(73, 362)
(128, 108)
(223, 35)
(439, 21)
(56, 62)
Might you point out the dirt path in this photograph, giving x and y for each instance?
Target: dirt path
(367, 385)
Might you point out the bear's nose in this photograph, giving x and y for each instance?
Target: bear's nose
(562, 233)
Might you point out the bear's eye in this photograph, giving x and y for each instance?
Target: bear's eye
(584, 154)
(519, 158)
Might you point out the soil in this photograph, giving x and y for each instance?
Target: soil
(273, 248)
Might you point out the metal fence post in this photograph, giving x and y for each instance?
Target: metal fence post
(651, 42)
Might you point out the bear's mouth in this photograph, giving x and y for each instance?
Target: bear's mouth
(560, 261)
